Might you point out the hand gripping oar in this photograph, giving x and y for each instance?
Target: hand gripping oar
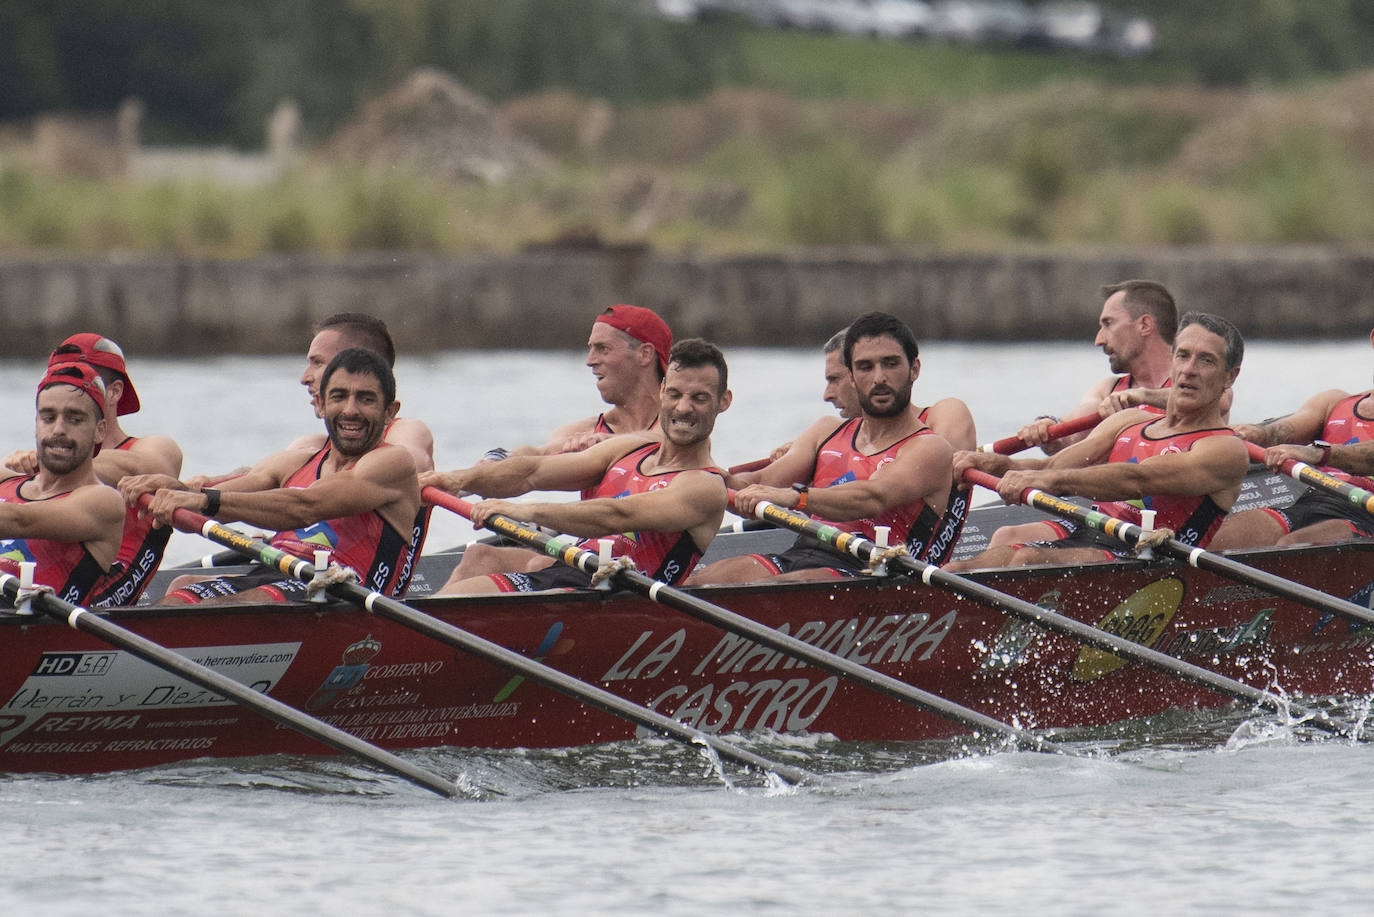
(861, 548)
(664, 594)
(446, 633)
(1014, 444)
(1130, 534)
(81, 619)
(1358, 497)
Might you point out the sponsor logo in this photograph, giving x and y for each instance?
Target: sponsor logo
(1141, 618)
(356, 661)
(551, 645)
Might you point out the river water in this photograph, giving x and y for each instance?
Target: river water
(1207, 813)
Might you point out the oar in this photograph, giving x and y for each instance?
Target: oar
(1130, 534)
(861, 548)
(1014, 444)
(664, 594)
(1358, 497)
(446, 633)
(81, 619)
(755, 465)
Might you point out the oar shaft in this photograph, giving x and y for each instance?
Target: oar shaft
(170, 661)
(747, 627)
(863, 549)
(1358, 497)
(457, 638)
(1014, 444)
(1129, 533)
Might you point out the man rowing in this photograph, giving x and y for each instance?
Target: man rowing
(120, 454)
(1330, 421)
(1136, 331)
(60, 516)
(627, 351)
(1187, 465)
(357, 496)
(658, 493)
(885, 467)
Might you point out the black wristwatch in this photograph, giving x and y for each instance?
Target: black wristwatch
(1325, 447)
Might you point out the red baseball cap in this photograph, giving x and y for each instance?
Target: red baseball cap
(95, 350)
(643, 325)
(77, 375)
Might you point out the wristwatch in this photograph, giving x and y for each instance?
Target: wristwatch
(802, 492)
(1325, 447)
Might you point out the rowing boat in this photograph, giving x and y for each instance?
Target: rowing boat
(71, 704)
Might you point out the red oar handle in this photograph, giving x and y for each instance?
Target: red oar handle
(990, 481)
(447, 500)
(1014, 444)
(755, 465)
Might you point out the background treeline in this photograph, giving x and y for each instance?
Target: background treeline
(211, 71)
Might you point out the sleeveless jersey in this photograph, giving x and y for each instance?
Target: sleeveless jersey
(1194, 519)
(952, 522)
(838, 462)
(66, 566)
(367, 543)
(1128, 381)
(665, 556)
(1344, 426)
(140, 554)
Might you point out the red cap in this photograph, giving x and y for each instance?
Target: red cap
(90, 348)
(78, 375)
(643, 325)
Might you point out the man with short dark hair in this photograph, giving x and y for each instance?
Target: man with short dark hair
(357, 496)
(657, 493)
(1185, 465)
(60, 516)
(885, 467)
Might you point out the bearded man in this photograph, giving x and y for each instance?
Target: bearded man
(357, 496)
(884, 467)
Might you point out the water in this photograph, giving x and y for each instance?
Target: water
(1191, 813)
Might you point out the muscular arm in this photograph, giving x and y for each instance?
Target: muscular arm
(558, 439)
(796, 465)
(1302, 426)
(147, 455)
(522, 473)
(694, 500)
(93, 513)
(952, 419)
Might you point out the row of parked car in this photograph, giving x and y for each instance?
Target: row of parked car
(1072, 24)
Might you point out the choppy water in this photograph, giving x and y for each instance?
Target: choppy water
(1190, 813)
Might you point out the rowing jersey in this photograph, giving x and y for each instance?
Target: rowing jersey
(140, 554)
(1128, 381)
(1344, 426)
(366, 543)
(913, 524)
(665, 556)
(66, 566)
(1194, 519)
(956, 513)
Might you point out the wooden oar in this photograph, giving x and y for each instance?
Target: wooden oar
(446, 633)
(725, 619)
(1130, 534)
(1014, 444)
(1358, 497)
(81, 619)
(861, 548)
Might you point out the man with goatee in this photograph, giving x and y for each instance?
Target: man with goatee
(884, 467)
(61, 517)
(357, 496)
(658, 493)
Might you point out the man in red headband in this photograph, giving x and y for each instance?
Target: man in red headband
(120, 454)
(60, 516)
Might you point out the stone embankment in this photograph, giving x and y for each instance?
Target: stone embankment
(546, 298)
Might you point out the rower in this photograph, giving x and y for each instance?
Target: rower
(356, 496)
(60, 516)
(657, 493)
(885, 467)
(1186, 465)
(1333, 422)
(140, 552)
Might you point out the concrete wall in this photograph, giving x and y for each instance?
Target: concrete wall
(547, 298)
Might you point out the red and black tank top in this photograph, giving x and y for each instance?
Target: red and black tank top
(1194, 519)
(140, 554)
(1345, 426)
(665, 556)
(66, 566)
(367, 543)
(839, 461)
(1128, 381)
